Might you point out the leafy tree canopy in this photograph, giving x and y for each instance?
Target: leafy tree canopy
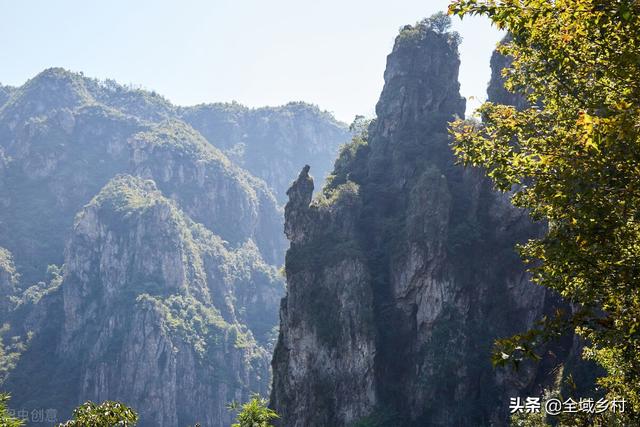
(6, 419)
(106, 414)
(439, 22)
(572, 159)
(254, 413)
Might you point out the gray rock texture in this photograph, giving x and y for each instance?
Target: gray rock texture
(141, 261)
(153, 310)
(403, 272)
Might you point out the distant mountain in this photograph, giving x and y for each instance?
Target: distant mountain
(259, 139)
(63, 136)
(5, 93)
(138, 260)
(153, 310)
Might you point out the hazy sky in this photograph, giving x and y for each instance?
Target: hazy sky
(257, 52)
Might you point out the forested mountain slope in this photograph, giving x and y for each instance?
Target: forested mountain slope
(138, 262)
(269, 142)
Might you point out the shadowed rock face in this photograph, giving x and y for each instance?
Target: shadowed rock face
(403, 272)
(496, 91)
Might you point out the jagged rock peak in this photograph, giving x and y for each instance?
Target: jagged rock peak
(421, 79)
(400, 282)
(301, 191)
(167, 297)
(130, 215)
(296, 211)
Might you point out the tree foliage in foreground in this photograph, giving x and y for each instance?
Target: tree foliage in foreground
(6, 419)
(106, 414)
(573, 160)
(254, 413)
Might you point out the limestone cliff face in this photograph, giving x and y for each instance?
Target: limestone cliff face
(158, 287)
(271, 142)
(402, 272)
(8, 281)
(147, 313)
(324, 360)
(209, 187)
(63, 136)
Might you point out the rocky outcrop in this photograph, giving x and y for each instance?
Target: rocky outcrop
(496, 91)
(403, 272)
(8, 282)
(324, 360)
(210, 189)
(271, 142)
(55, 164)
(153, 310)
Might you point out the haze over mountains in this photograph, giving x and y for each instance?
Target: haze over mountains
(141, 247)
(140, 255)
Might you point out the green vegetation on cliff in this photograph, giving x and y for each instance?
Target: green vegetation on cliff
(126, 194)
(182, 140)
(201, 326)
(139, 271)
(439, 23)
(6, 263)
(142, 237)
(402, 272)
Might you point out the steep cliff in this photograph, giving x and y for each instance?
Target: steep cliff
(209, 187)
(271, 142)
(8, 282)
(55, 164)
(63, 136)
(153, 310)
(402, 272)
(158, 287)
(61, 146)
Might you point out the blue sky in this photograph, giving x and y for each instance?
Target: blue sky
(257, 52)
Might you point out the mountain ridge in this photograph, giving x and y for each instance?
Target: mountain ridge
(140, 262)
(402, 271)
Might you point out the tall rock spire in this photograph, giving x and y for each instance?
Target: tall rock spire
(402, 273)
